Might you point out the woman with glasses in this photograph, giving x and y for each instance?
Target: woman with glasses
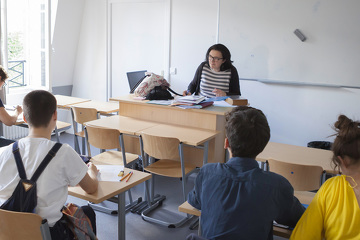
(216, 76)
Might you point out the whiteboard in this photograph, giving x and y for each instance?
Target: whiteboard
(260, 36)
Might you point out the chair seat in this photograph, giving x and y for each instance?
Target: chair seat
(113, 157)
(169, 168)
(80, 134)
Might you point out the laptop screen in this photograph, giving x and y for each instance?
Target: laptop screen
(134, 78)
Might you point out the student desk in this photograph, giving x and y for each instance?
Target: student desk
(107, 190)
(64, 101)
(104, 108)
(189, 136)
(304, 197)
(297, 154)
(211, 118)
(134, 127)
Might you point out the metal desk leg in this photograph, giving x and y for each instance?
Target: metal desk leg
(206, 152)
(121, 216)
(57, 134)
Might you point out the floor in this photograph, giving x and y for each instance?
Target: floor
(136, 227)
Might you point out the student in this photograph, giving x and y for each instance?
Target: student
(65, 169)
(237, 199)
(216, 76)
(334, 213)
(4, 115)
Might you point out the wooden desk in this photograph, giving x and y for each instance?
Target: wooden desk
(304, 197)
(107, 190)
(190, 136)
(210, 118)
(135, 127)
(125, 125)
(297, 154)
(102, 107)
(65, 101)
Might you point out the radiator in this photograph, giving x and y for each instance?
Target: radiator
(14, 132)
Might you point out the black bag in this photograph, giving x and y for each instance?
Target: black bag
(160, 93)
(24, 197)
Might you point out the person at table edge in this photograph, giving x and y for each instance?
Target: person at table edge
(237, 199)
(5, 117)
(216, 76)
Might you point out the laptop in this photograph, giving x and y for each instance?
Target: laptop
(135, 78)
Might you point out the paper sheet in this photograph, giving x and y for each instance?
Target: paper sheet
(109, 172)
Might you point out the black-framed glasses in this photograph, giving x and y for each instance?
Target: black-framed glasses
(216, 59)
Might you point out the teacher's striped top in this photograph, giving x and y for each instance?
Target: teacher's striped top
(211, 79)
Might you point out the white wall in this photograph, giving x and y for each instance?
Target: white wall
(297, 114)
(65, 41)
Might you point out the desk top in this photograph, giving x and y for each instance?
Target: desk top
(190, 136)
(210, 110)
(64, 101)
(101, 107)
(107, 190)
(124, 124)
(297, 154)
(303, 196)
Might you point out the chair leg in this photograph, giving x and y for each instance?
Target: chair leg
(76, 143)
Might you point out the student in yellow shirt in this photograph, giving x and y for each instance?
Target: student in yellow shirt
(334, 212)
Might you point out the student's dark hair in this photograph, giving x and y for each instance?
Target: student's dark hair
(225, 54)
(38, 107)
(247, 130)
(3, 74)
(347, 141)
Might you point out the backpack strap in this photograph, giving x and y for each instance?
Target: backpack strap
(46, 161)
(18, 160)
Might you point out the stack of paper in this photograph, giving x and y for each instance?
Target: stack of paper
(190, 100)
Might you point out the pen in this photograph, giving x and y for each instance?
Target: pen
(131, 173)
(125, 176)
(121, 173)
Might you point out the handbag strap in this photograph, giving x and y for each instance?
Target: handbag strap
(173, 91)
(20, 166)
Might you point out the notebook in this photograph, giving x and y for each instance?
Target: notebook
(135, 79)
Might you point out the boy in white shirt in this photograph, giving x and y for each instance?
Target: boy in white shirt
(65, 169)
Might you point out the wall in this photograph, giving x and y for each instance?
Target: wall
(297, 114)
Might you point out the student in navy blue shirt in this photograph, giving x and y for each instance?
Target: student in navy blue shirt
(237, 199)
(5, 117)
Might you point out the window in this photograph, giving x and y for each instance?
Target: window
(27, 40)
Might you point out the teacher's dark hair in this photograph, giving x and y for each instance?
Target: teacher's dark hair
(38, 107)
(225, 54)
(247, 131)
(347, 141)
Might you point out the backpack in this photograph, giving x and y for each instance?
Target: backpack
(24, 197)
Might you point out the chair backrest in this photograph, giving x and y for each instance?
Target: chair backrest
(82, 115)
(20, 225)
(301, 177)
(161, 147)
(103, 138)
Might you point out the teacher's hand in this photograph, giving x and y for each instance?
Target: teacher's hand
(219, 93)
(186, 93)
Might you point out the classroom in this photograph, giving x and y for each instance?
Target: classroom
(300, 85)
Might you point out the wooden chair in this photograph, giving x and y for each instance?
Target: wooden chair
(301, 177)
(108, 139)
(81, 116)
(171, 163)
(20, 225)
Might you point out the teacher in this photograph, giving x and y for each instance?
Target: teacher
(216, 76)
